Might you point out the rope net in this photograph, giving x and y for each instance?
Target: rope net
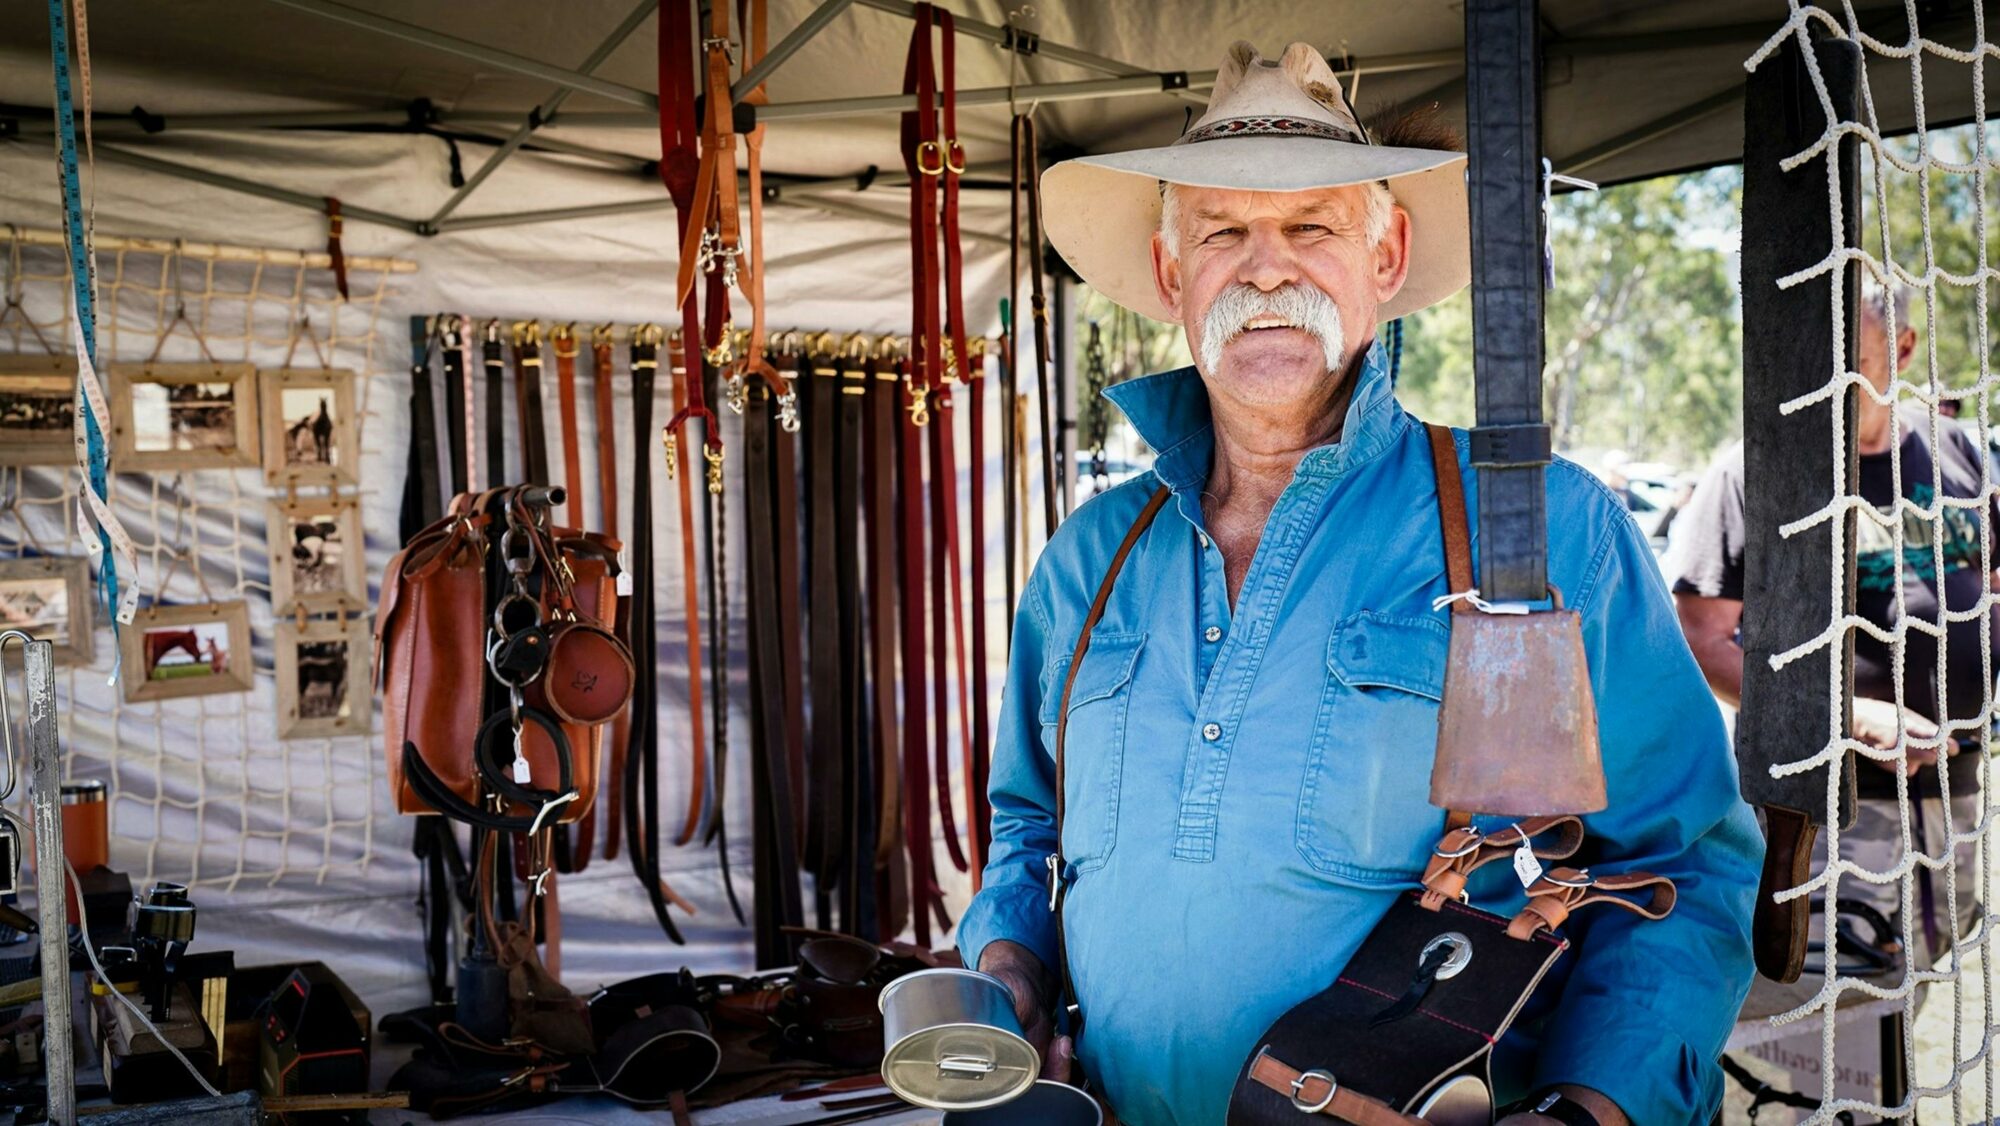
(202, 789)
(1924, 236)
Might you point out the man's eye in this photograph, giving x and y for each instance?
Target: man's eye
(1223, 234)
(1309, 229)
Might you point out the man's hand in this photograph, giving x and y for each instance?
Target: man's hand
(1033, 988)
(1875, 725)
(1606, 1111)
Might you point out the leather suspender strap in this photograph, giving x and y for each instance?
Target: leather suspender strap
(879, 437)
(1456, 532)
(677, 471)
(528, 401)
(1038, 308)
(775, 854)
(1317, 1092)
(827, 812)
(495, 365)
(617, 740)
(1058, 881)
(452, 330)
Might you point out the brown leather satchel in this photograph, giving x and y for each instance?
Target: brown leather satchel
(489, 581)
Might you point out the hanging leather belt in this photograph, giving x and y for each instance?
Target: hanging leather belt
(980, 752)
(422, 502)
(562, 342)
(496, 408)
(857, 766)
(775, 855)
(827, 812)
(881, 439)
(620, 734)
(528, 401)
(642, 789)
(1028, 172)
(452, 331)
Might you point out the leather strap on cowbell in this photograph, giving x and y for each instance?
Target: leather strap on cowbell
(1464, 850)
(1562, 891)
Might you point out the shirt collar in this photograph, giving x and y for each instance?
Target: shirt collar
(1170, 411)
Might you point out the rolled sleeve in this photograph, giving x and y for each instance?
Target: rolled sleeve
(1013, 899)
(1649, 1005)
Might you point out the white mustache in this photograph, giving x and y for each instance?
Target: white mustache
(1293, 305)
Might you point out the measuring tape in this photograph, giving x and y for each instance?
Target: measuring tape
(111, 541)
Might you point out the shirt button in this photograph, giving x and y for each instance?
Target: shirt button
(1211, 731)
(1213, 633)
(1203, 537)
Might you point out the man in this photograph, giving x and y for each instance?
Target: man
(1709, 597)
(1250, 742)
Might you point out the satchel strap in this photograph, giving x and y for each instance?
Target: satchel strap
(1557, 894)
(1318, 1092)
(1465, 850)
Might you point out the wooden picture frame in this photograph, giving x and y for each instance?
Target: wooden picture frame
(318, 555)
(323, 685)
(215, 634)
(304, 445)
(37, 404)
(191, 425)
(49, 597)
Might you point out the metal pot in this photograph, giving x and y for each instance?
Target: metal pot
(1047, 1103)
(953, 1042)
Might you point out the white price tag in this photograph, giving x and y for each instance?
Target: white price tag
(1527, 868)
(522, 775)
(624, 583)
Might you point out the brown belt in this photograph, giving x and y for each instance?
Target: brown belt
(607, 517)
(880, 438)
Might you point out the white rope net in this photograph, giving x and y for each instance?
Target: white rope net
(202, 789)
(1924, 229)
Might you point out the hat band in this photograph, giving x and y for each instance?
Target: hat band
(1269, 127)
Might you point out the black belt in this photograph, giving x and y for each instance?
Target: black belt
(827, 812)
(857, 767)
(880, 439)
(496, 407)
(422, 505)
(775, 854)
(528, 401)
(452, 330)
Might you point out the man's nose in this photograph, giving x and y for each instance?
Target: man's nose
(1269, 260)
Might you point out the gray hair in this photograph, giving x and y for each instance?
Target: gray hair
(1880, 301)
(1375, 223)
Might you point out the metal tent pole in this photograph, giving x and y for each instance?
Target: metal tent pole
(545, 111)
(491, 56)
(787, 47)
(252, 187)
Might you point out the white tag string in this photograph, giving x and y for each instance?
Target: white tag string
(1478, 603)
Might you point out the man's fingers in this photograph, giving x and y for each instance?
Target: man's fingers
(1059, 1063)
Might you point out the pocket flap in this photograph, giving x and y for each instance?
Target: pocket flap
(1376, 650)
(1107, 665)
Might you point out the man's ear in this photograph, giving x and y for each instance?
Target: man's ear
(1392, 256)
(1906, 346)
(1166, 276)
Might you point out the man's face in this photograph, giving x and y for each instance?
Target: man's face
(1265, 242)
(1873, 358)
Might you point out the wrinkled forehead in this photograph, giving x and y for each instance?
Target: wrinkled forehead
(1237, 204)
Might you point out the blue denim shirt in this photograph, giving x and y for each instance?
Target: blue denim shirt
(1249, 791)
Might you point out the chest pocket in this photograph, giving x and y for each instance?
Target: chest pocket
(1364, 804)
(1094, 743)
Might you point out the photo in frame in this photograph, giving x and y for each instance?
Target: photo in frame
(37, 410)
(182, 416)
(323, 687)
(309, 430)
(318, 559)
(171, 652)
(49, 599)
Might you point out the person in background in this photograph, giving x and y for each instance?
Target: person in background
(1948, 712)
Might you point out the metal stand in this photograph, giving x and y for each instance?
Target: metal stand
(45, 781)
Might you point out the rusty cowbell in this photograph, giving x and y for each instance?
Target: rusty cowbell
(1517, 731)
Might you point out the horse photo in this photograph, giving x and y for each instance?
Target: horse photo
(181, 652)
(316, 555)
(322, 679)
(309, 426)
(171, 417)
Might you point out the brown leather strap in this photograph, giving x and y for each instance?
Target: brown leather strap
(883, 596)
(619, 735)
(1558, 894)
(1097, 604)
(562, 341)
(333, 248)
(1320, 1092)
(528, 401)
(1452, 522)
(1465, 850)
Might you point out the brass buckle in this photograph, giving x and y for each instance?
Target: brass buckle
(951, 145)
(563, 339)
(925, 169)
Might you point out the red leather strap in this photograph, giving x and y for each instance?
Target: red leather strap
(677, 468)
(978, 809)
(562, 341)
(333, 249)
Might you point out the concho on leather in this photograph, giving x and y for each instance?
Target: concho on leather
(589, 674)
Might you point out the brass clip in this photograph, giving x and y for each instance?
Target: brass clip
(603, 334)
(920, 405)
(713, 456)
(673, 449)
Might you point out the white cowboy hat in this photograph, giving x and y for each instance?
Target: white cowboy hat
(1280, 126)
